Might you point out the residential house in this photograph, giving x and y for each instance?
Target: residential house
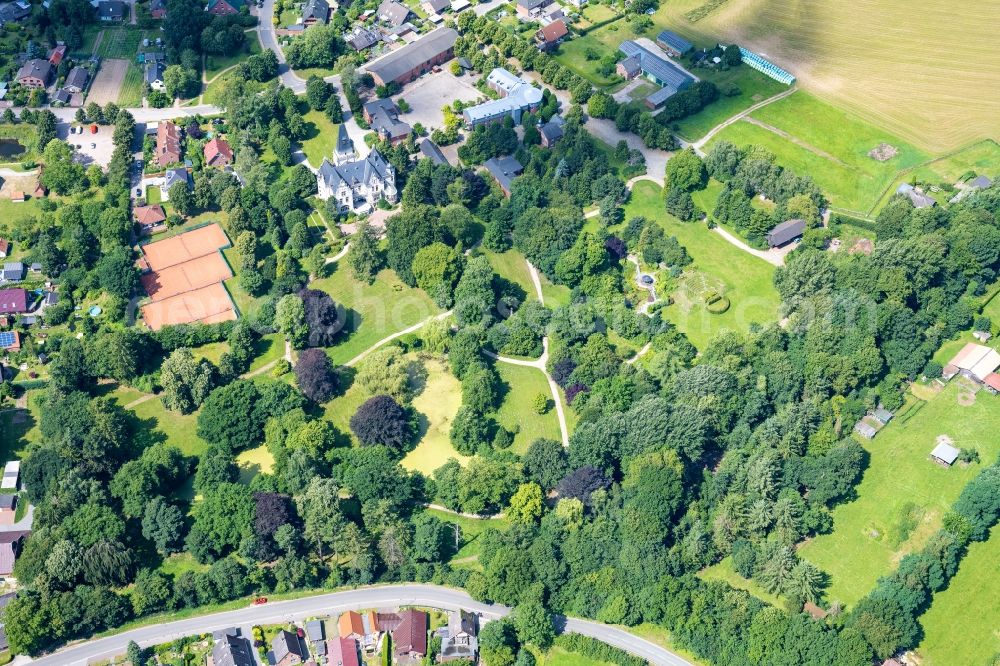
(149, 218)
(76, 80)
(13, 301)
(551, 131)
(168, 144)
(409, 635)
(358, 185)
(57, 54)
(549, 37)
(361, 38)
(158, 9)
(431, 151)
(35, 73)
(977, 183)
(9, 340)
(287, 649)
(218, 153)
(349, 625)
(363, 628)
(171, 178)
(435, 6)
(231, 649)
(112, 10)
(14, 12)
(344, 150)
(4, 248)
(8, 507)
(673, 44)
(516, 97)
(315, 11)
(629, 68)
(916, 197)
(154, 74)
(223, 7)
(531, 8)
(62, 97)
(785, 233)
(459, 639)
(383, 117)
(504, 170)
(342, 652)
(392, 12)
(13, 271)
(10, 548)
(460, 5)
(315, 634)
(415, 59)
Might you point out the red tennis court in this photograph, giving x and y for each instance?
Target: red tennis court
(188, 276)
(207, 305)
(184, 247)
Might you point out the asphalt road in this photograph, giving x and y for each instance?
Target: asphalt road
(334, 603)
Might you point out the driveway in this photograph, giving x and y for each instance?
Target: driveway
(430, 92)
(334, 603)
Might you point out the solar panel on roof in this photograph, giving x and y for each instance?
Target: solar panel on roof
(7, 339)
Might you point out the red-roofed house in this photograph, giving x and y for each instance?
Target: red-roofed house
(149, 217)
(14, 344)
(409, 638)
(342, 652)
(13, 301)
(57, 54)
(168, 144)
(218, 153)
(992, 382)
(4, 247)
(549, 36)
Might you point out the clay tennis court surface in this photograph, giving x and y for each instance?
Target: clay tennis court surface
(185, 282)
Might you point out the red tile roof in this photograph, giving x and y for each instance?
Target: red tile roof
(411, 634)
(993, 381)
(218, 147)
(149, 214)
(57, 54)
(342, 652)
(4, 245)
(554, 31)
(168, 143)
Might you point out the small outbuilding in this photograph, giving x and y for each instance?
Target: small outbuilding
(785, 233)
(882, 415)
(866, 430)
(945, 454)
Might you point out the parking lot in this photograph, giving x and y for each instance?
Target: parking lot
(431, 92)
(90, 148)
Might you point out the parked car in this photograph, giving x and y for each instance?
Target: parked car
(93, 145)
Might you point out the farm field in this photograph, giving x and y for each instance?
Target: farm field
(934, 82)
(968, 607)
(900, 479)
(436, 407)
(321, 137)
(130, 93)
(122, 42)
(373, 311)
(747, 280)
(799, 130)
(516, 413)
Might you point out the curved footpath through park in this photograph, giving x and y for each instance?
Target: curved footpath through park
(327, 604)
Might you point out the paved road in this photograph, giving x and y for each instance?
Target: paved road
(326, 604)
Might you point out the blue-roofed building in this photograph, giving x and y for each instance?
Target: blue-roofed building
(766, 67)
(517, 96)
(655, 68)
(673, 44)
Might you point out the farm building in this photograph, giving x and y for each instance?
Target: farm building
(882, 415)
(416, 58)
(945, 454)
(765, 67)
(673, 44)
(516, 97)
(977, 362)
(504, 170)
(785, 233)
(866, 430)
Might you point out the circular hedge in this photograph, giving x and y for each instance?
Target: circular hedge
(718, 306)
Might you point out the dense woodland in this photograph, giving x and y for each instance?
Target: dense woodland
(676, 462)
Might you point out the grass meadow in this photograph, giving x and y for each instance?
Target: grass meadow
(748, 281)
(900, 485)
(321, 137)
(753, 87)
(372, 311)
(436, 407)
(122, 42)
(960, 626)
(511, 266)
(467, 535)
(934, 80)
(516, 413)
(813, 138)
(130, 94)
(216, 64)
(723, 572)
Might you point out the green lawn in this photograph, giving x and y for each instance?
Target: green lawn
(572, 54)
(253, 462)
(436, 407)
(723, 571)
(269, 348)
(752, 85)
(373, 311)
(130, 94)
(469, 530)
(748, 281)
(178, 563)
(19, 429)
(899, 472)
(557, 656)
(321, 137)
(960, 626)
(828, 144)
(174, 428)
(511, 266)
(211, 352)
(516, 413)
(214, 64)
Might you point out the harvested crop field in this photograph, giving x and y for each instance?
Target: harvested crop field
(108, 82)
(924, 70)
